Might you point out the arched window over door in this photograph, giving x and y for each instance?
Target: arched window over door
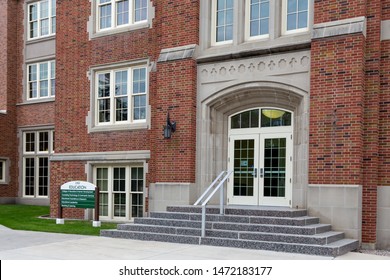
(269, 117)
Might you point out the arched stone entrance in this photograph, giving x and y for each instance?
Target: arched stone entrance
(213, 132)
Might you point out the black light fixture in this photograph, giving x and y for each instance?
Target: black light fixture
(169, 128)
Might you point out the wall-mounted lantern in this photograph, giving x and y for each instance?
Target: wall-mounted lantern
(169, 128)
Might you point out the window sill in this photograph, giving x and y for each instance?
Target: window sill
(37, 101)
(264, 46)
(120, 127)
(40, 39)
(119, 30)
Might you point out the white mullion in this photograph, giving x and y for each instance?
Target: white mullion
(130, 109)
(115, 2)
(110, 192)
(36, 176)
(113, 13)
(128, 193)
(97, 100)
(36, 146)
(39, 19)
(51, 141)
(49, 77)
(112, 97)
(50, 19)
(131, 11)
(38, 80)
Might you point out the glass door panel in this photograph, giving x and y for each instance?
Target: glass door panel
(119, 192)
(243, 162)
(275, 169)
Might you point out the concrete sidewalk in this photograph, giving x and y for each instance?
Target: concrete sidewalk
(29, 245)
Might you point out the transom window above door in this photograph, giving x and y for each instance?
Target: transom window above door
(261, 117)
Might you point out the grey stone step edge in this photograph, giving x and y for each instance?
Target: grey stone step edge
(303, 230)
(319, 239)
(333, 249)
(241, 211)
(293, 221)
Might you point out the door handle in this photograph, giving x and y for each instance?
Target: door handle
(254, 173)
(261, 172)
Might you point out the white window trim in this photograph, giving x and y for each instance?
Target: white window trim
(284, 20)
(4, 169)
(51, 16)
(247, 26)
(36, 154)
(214, 26)
(114, 25)
(110, 192)
(50, 78)
(130, 124)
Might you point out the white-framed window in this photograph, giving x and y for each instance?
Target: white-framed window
(41, 17)
(2, 170)
(295, 16)
(222, 11)
(119, 13)
(121, 96)
(41, 80)
(37, 147)
(257, 17)
(121, 191)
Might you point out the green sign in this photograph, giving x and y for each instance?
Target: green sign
(78, 194)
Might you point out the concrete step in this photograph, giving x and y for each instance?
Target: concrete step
(150, 236)
(333, 249)
(294, 221)
(319, 239)
(243, 211)
(302, 230)
(262, 228)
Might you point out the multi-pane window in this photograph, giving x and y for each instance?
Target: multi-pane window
(37, 147)
(258, 18)
(2, 171)
(121, 191)
(237, 22)
(297, 15)
(117, 13)
(41, 19)
(223, 21)
(121, 96)
(41, 80)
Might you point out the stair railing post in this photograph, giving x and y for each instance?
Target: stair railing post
(203, 221)
(221, 200)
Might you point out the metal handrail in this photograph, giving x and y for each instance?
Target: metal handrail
(209, 188)
(221, 197)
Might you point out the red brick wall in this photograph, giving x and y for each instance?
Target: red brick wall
(172, 85)
(60, 173)
(173, 160)
(349, 76)
(371, 121)
(336, 94)
(385, 9)
(3, 54)
(8, 80)
(384, 103)
(331, 10)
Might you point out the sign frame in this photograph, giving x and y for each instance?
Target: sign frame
(79, 195)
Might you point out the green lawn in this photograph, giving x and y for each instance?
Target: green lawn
(27, 217)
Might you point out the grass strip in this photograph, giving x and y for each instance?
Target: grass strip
(28, 217)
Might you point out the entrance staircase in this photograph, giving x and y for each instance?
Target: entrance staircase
(261, 228)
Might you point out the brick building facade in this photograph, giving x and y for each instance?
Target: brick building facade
(290, 94)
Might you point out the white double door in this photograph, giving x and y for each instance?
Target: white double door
(262, 169)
